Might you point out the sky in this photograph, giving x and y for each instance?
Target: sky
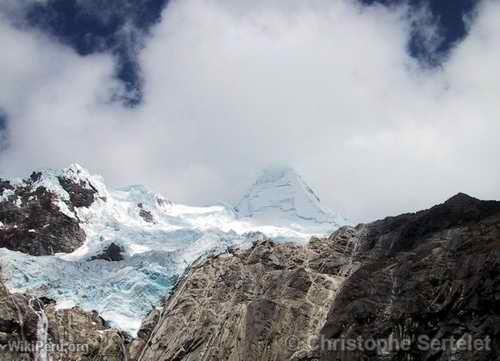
(383, 106)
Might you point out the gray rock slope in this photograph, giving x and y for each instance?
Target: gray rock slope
(434, 274)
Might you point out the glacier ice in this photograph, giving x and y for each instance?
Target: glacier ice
(279, 205)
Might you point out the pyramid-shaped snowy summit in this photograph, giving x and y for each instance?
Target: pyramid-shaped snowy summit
(280, 195)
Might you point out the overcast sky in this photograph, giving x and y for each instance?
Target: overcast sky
(229, 87)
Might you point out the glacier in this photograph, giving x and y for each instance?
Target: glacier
(158, 248)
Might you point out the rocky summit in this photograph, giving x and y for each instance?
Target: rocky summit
(32, 222)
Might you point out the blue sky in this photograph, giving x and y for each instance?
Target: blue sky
(382, 106)
(88, 31)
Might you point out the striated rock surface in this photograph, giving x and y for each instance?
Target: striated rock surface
(32, 329)
(432, 275)
(258, 304)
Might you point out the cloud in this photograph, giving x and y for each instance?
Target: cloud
(233, 86)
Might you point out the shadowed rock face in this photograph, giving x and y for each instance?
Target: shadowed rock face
(22, 322)
(403, 233)
(81, 194)
(433, 274)
(33, 223)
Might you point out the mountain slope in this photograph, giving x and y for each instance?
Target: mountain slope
(432, 275)
(120, 251)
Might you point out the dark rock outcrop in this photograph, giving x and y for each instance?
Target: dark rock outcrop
(145, 214)
(5, 185)
(432, 275)
(112, 253)
(82, 194)
(34, 224)
(32, 221)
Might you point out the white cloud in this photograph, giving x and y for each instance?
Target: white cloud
(232, 86)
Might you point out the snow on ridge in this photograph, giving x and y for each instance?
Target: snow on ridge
(50, 180)
(77, 174)
(160, 239)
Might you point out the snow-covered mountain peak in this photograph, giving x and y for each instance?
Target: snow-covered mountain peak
(156, 239)
(76, 172)
(276, 174)
(79, 174)
(53, 180)
(280, 195)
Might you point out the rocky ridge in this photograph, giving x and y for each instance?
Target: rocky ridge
(433, 274)
(36, 220)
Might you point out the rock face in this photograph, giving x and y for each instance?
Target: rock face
(112, 253)
(32, 329)
(430, 275)
(33, 223)
(245, 306)
(82, 194)
(38, 215)
(145, 214)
